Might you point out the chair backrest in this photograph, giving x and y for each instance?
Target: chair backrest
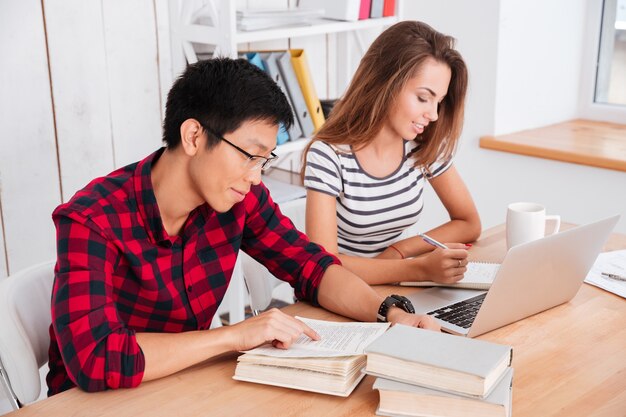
(259, 281)
(24, 322)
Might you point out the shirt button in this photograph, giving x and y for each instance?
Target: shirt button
(189, 288)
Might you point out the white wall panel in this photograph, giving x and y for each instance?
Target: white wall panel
(130, 43)
(539, 91)
(164, 50)
(29, 179)
(3, 265)
(540, 49)
(81, 91)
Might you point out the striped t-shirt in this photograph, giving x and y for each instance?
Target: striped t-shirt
(372, 212)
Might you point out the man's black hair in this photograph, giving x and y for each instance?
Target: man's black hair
(221, 94)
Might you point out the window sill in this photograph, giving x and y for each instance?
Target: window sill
(585, 142)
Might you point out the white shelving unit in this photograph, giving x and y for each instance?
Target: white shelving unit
(201, 33)
(221, 33)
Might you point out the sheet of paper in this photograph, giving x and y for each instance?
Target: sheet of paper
(338, 339)
(481, 272)
(612, 263)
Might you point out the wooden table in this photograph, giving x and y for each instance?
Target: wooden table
(569, 361)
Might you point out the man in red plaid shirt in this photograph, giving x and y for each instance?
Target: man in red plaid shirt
(145, 254)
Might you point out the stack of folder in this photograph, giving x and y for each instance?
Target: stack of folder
(290, 70)
(421, 372)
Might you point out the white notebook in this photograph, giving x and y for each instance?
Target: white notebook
(479, 276)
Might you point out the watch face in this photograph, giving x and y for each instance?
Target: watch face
(404, 303)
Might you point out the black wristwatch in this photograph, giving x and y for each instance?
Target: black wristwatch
(393, 300)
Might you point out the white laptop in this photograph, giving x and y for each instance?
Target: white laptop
(533, 277)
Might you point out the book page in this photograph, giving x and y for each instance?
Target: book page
(337, 339)
(612, 263)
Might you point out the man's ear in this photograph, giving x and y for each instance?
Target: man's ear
(191, 132)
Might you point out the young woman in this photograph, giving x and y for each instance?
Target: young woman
(396, 127)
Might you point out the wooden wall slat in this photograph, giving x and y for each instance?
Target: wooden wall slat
(130, 43)
(164, 50)
(3, 265)
(29, 178)
(81, 91)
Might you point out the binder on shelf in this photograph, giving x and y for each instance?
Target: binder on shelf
(303, 74)
(271, 67)
(376, 11)
(389, 9)
(255, 59)
(297, 98)
(364, 11)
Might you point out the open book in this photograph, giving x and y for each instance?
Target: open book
(479, 276)
(331, 365)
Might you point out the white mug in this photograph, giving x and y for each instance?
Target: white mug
(526, 222)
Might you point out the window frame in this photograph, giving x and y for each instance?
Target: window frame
(589, 109)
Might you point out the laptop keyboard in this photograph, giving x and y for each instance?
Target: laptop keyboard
(462, 313)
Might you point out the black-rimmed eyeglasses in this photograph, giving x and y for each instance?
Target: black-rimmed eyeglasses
(252, 162)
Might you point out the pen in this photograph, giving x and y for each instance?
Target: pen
(614, 276)
(432, 241)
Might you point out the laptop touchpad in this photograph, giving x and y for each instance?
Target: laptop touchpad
(434, 298)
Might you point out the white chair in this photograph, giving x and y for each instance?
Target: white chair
(259, 281)
(24, 339)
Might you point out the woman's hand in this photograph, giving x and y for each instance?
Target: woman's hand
(445, 266)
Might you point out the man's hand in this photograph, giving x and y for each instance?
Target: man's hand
(271, 326)
(398, 316)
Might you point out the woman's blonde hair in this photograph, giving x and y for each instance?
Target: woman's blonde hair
(391, 61)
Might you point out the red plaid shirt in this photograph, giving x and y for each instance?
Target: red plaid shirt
(118, 272)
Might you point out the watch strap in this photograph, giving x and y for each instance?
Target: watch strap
(393, 300)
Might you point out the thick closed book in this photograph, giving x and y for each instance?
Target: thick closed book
(389, 9)
(400, 399)
(438, 360)
(301, 68)
(364, 11)
(479, 276)
(376, 9)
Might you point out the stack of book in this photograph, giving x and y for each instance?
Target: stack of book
(421, 372)
(333, 365)
(353, 10)
(257, 19)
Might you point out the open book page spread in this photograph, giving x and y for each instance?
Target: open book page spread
(337, 339)
(609, 263)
